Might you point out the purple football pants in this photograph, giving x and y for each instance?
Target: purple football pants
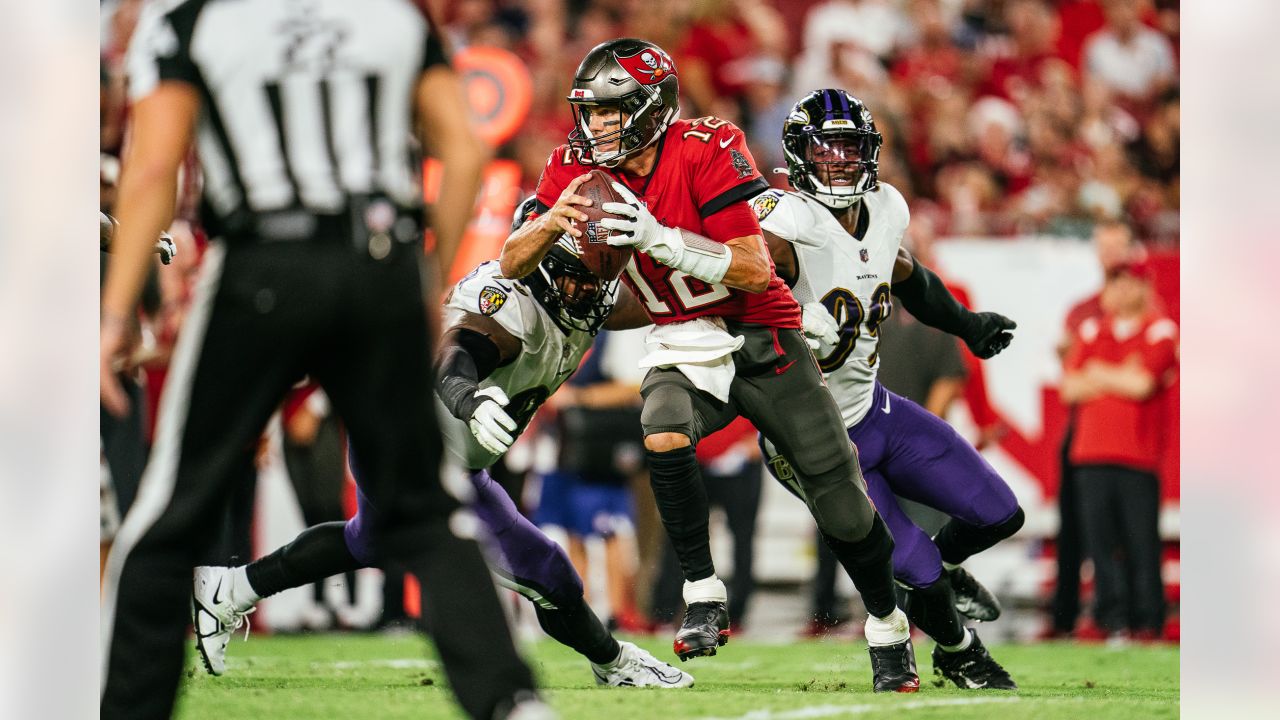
(906, 450)
(519, 554)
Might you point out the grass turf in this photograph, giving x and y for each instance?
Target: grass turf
(369, 676)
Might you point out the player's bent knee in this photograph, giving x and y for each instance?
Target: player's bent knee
(1012, 525)
(666, 442)
(842, 510)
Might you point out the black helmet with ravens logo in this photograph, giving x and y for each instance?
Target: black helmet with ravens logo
(832, 148)
(574, 297)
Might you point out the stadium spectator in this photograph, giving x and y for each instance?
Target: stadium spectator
(1118, 366)
(718, 58)
(1132, 60)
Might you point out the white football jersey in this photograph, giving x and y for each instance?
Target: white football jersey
(850, 276)
(548, 355)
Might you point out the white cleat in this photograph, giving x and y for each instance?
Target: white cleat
(215, 617)
(635, 667)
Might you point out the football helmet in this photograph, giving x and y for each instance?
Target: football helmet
(832, 148)
(575, 297)
(633, 80)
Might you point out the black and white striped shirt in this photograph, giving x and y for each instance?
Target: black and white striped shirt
(305, 103)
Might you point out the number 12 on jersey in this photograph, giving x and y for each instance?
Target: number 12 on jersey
(690, 296)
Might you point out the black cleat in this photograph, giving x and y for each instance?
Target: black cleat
(705, 627)
(893, 668)
(972, 599)
(972, 668)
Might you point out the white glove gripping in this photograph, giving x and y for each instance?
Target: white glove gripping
(704, 259)
(819, 325)
(491, 425)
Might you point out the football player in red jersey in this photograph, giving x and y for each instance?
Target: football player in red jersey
(727, 339)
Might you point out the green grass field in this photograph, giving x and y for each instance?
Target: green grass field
(356, 677)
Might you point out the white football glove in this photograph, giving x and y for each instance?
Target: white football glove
(704, 259)
(490, 424)
(640, 229)
(819, 326)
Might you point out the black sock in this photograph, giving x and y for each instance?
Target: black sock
(316, 554)
(957, 541)
(869, 563)
(933, 610)
(575, 625)
(682, 502)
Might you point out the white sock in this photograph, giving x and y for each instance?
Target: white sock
(710, 589)
(242, 595)
(963, 645)
(889, 630)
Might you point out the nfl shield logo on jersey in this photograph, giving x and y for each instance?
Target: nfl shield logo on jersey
(491, 300)
(866, 256)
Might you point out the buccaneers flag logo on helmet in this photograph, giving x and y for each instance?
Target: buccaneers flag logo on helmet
(647, 67)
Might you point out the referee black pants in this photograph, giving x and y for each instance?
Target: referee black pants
(264, 316)
(1119, 512)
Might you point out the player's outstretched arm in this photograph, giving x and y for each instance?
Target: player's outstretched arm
(925, 296)
(469, 352)
(528, 244)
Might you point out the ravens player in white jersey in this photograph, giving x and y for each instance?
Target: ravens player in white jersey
(837, 241)
(508, 345)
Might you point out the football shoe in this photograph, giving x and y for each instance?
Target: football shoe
(972, 668)
(972, 599)
(215, 617)
(705, 627)
(635, 667)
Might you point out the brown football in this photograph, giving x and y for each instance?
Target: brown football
(601, 258)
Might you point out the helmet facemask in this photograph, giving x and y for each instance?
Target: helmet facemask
(841, 165)
(618, 132)
(832, 148)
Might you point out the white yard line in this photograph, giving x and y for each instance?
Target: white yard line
(823, 711)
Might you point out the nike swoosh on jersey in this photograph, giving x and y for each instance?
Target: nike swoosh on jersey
(725, 142)
(784, 368)
(885, 409)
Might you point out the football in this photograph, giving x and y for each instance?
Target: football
(601, 258)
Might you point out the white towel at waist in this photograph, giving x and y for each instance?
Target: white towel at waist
(701, 348)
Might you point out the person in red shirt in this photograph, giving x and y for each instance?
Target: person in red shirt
(1119, 364)
(727, 332)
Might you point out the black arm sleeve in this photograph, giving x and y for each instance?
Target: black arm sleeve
(925, 296)
(466, 358)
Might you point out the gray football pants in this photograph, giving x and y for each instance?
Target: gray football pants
(778, 387)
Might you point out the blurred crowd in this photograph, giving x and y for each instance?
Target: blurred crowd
(1000, 116)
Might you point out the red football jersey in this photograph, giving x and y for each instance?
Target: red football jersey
(703, 167)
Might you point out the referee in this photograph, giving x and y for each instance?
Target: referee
(302, 114)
